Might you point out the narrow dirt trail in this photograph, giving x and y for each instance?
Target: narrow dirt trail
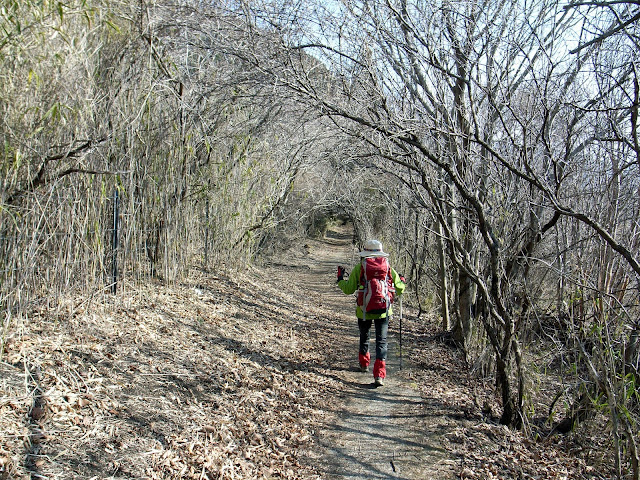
(385, 432)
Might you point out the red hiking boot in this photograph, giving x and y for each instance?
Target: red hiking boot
(364, 361)
(379, 371)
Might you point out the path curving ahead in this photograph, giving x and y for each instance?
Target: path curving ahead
(387, 432)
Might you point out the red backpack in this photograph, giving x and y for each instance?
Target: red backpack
(376, 291)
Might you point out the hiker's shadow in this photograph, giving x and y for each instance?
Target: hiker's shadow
(366, 386)
(361, 384)
(355, 385)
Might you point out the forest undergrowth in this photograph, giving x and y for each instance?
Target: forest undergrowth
(228, 376)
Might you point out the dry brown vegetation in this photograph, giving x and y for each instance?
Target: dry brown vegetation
(236, 377)
(493, 147)
(201, 380)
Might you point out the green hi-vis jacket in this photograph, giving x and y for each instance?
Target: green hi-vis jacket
(350, 286)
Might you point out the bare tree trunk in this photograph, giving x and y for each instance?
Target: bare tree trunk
(444, 284)
(510, 412)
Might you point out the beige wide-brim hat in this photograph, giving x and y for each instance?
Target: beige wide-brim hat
(373, 248)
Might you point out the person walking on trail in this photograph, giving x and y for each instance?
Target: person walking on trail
(377, 284)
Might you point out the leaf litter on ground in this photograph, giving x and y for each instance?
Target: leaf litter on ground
(223, 377)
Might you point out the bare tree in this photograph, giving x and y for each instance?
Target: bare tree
(478, 109)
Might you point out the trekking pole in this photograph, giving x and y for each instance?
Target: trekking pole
(400, 332)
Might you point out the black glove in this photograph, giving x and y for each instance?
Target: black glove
(340, 273)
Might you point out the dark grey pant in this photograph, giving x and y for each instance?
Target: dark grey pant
(382, 326)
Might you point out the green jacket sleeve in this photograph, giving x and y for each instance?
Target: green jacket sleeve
(399, 284)
(351, 285)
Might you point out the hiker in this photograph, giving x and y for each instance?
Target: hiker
(377, 284)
